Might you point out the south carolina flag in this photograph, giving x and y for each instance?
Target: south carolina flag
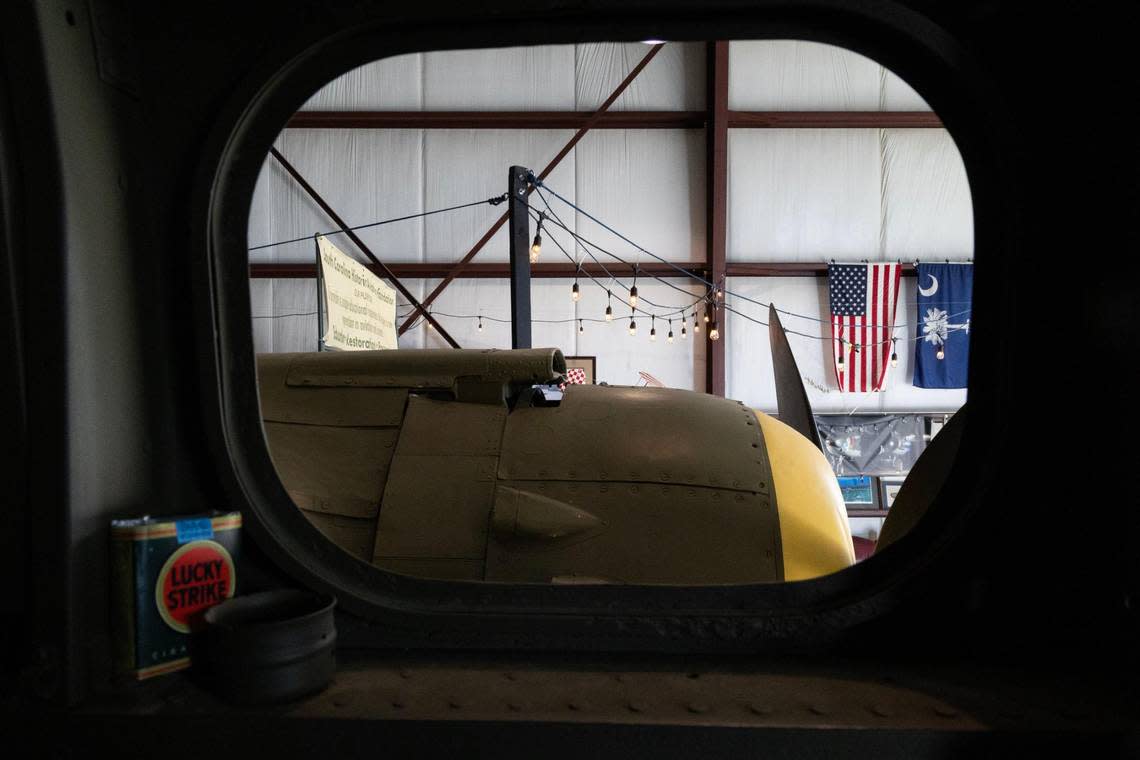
(863, 299)
(942, 351)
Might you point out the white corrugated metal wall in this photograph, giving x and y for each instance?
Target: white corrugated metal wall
(794, 195)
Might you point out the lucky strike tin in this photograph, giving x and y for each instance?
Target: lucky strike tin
(166, 572)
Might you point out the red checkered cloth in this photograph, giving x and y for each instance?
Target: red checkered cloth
(574, 376)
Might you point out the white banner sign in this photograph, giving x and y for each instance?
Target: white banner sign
(360, 309)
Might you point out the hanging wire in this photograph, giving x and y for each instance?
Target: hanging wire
(704, 299)
(282, 316)
(613, 278)
(587, 244)
(593, 279)
(714, 290)
(540, 186)
(491, 201)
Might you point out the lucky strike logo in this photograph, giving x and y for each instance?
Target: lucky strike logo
(196, 577)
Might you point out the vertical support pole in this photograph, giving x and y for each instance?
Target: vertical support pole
(321, 311)
(519, 233)
(717, 209)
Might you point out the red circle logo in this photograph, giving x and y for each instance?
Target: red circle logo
(197, 576)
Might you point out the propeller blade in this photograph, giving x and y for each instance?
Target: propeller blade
(923, 482)
(791, 397)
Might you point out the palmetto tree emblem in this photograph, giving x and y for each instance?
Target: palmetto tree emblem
(936, 326)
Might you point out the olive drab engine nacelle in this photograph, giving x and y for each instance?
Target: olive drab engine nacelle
(471, 465)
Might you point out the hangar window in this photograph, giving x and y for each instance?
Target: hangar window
(746, 273)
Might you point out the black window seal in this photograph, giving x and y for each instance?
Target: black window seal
(403, 611)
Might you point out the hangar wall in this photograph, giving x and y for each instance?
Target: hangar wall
(795, 195)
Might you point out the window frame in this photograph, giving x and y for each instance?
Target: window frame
(393, 610)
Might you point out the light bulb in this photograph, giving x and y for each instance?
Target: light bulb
(706, 317)
(839, 362)
(653, 333)
(669, 337)
(574, 292)
(894, 359)
(714, 331)
(609, 314)
(941, 353)
(480, 324)
(696, 325)
(536, 247)
(633, 296)
(683, 333)
(632, 327)
(580, 328)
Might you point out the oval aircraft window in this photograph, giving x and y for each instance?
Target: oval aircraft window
(613, 313)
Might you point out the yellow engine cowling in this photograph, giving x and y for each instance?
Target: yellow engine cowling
(813, 518)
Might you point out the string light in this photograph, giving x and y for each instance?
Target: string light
(653, 327)
(580, 328)
(711, 299)
(632, 325)
(575, 294)
(669, 337)
(715, 289)
(846, 346)
(536, 246)
(718, 290)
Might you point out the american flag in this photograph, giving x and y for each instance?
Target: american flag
(863, 299)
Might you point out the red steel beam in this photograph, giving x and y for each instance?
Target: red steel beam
(567, 270)
(491, 270)
(381, 269)
(833, 120)
(496, 120)
(716, 169)
(611, 120)
(462, 263)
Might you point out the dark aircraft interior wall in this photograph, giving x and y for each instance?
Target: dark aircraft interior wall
(110, 112)
(86, 330)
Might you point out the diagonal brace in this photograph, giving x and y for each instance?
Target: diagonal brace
(590, 122)
(384, 270)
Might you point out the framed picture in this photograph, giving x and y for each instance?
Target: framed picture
(587, 364)
(858, 492)
(889, 486)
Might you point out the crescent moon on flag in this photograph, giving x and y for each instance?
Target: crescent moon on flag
(928, 292)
